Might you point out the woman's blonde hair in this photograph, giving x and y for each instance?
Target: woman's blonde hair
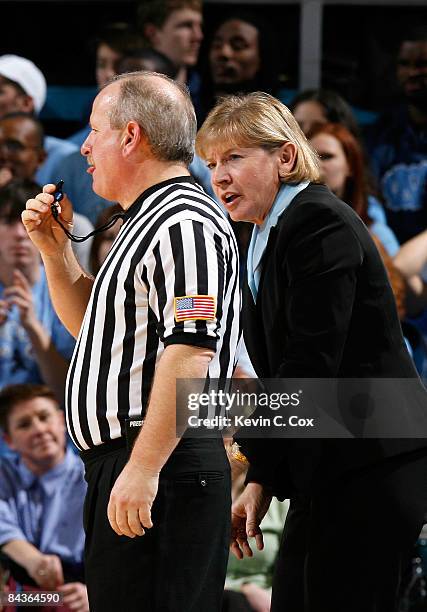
(257, 120)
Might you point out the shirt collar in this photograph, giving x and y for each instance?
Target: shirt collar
(260, 234)
(47, 481)
(284, 197)
(134, 208)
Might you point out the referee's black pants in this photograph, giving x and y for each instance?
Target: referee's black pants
(345, 549)
(177, 566)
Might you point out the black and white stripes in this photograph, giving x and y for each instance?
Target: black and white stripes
(175, 242)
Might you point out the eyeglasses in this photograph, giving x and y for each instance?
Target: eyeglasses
(14, 147)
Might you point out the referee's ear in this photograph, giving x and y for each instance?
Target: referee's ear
(132, 139)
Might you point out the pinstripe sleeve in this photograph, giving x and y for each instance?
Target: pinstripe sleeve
(186, 272)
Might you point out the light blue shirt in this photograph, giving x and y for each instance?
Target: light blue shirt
(18, 363)
(47, 510)
(380, 228)
(376, 210)
(386, 236)
(260, 233)
(57, 150)
(79, 137)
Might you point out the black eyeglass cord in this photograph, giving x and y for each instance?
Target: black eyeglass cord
(58, 195)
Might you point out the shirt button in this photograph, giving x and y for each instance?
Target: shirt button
(203, 482)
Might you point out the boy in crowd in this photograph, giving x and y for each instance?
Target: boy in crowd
(42, 489)
(174, 28)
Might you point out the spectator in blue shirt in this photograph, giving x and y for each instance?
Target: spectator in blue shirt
(42, 489)
(398, 142)
(34, 345)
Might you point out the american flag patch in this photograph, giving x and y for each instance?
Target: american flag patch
(192, 307)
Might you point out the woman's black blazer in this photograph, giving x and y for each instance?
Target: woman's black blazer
(324, 309)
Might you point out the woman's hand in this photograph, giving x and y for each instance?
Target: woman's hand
(246, 516)
(75, 596)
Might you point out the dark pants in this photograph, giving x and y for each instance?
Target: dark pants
(345, 549)
(177, 566)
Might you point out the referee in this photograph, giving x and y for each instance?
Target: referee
(165, 305)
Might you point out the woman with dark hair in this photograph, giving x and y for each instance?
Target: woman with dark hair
(147, 59)
(314, 106)
(112, 42)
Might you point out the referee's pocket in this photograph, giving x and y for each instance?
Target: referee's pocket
(200, 480)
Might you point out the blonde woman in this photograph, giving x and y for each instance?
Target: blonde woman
(317, 304)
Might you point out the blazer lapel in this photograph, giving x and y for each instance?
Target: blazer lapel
(253, 313)
(270, 244)
(253, 331)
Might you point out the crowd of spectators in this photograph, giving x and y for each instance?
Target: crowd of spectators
(380, 171)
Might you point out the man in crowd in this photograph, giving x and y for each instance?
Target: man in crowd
(34, 345)
(23, 89)
(399, 141)
(41, 496)
(22, 153)
(164, 306)
(21, 146)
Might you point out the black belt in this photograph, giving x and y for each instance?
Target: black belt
(102, 449)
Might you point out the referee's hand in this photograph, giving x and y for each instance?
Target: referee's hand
(131, 499)
(44, 231)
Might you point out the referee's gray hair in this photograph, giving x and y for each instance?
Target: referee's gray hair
(167, 120)
(257, 120)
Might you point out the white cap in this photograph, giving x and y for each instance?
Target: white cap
(27, 75)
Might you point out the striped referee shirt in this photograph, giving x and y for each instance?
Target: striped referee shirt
(171, 277)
